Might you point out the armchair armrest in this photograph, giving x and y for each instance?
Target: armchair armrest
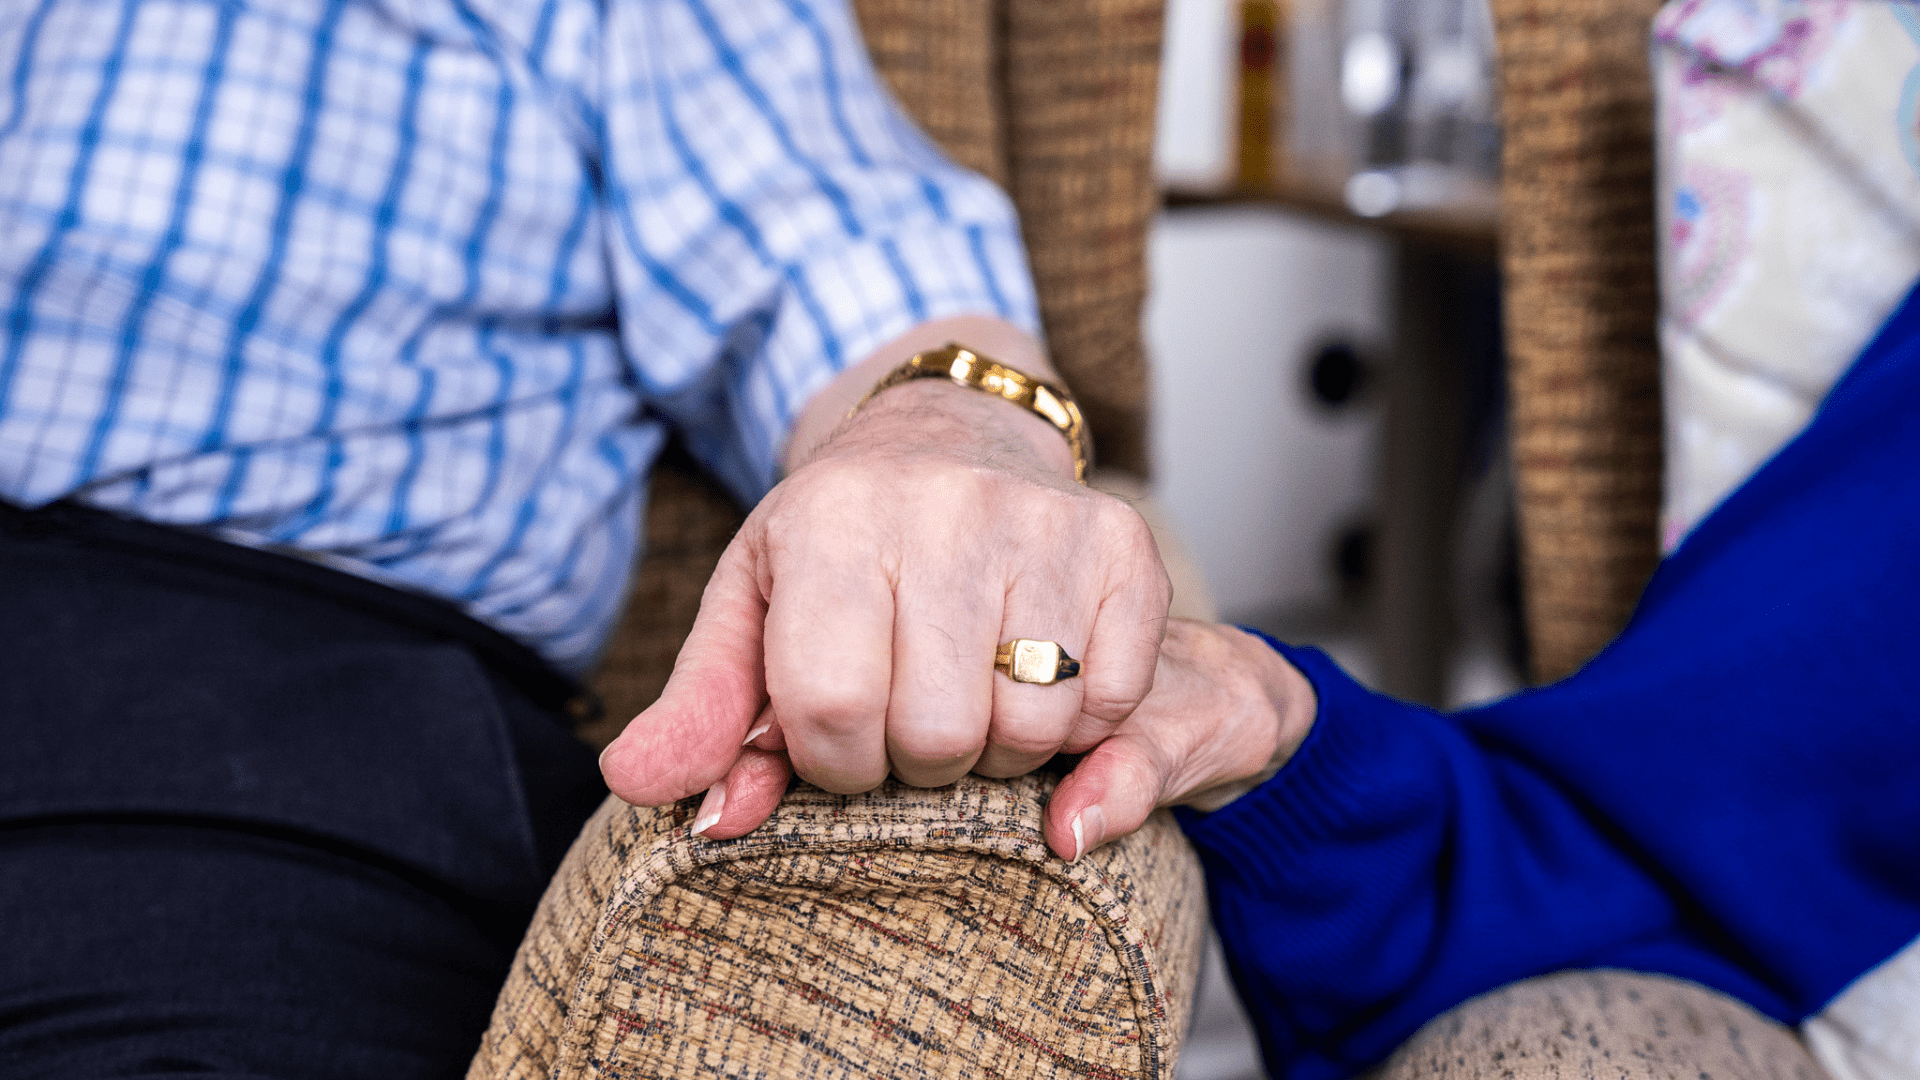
(901, 933)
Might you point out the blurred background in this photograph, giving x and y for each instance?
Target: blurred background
(1323, 329)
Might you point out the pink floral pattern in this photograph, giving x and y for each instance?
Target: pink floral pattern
(1733, 44)
(1709, 236)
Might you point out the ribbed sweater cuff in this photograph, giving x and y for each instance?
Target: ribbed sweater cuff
(1345, 783)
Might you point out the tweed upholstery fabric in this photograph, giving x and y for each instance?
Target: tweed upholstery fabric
(903, 933)
(1054, 99)
(1602, 1025)
(1582, 308)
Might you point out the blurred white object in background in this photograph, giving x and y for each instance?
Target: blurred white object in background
(1417, 84)
(1193, 141)
(1257, 475)
(1369, 73)
(1373, 192)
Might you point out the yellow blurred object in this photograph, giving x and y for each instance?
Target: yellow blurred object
(1261, 77)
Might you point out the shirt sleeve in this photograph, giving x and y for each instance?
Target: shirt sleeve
(773, 217)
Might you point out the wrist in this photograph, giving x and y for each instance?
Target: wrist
(1288, 706)
(943, 417)
(824, 417)
(955, 364)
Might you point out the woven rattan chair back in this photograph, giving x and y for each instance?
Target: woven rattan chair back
(1582, 307)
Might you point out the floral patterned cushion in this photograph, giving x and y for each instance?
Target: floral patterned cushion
(1789, 173)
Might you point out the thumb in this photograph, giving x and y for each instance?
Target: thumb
(686, 741)
(1108, 795)
(744, 800)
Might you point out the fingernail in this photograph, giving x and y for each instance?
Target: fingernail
(756, 733)
(710, 808)
(1089, 822)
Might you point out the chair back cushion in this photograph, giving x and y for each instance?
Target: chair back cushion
(1790, 211)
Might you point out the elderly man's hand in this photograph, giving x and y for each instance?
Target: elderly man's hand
(852, 623)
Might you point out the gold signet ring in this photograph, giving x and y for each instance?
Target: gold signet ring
(1042, 662)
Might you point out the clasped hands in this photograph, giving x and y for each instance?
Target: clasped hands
(849, 631)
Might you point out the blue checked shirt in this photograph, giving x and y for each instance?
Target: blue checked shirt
(419, 286)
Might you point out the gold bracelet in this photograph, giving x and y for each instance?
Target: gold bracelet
(968, 368)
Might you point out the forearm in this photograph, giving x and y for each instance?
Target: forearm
(1394, 868)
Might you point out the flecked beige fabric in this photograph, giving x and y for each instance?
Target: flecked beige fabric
(1602, 1025)
(903, 933)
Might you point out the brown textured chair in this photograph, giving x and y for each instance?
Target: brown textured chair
(930, 934)
(1601, 1025)
(1582, 309)
(901, 933)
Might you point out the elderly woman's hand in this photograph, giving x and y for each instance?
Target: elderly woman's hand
(1226, 711)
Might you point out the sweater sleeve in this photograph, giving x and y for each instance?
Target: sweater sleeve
(1725, 794)
(1397, 867)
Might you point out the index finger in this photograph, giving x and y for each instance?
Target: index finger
(829, 669)
(687, 740)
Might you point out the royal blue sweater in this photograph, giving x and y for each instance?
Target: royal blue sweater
(1729, 793)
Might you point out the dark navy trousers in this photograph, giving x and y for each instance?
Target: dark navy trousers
(258, 817)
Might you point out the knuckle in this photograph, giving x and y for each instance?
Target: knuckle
(1028, 738)
(1131, 549)
(1110, 704)
(834, 712)
(1125, 529)
(938, 746)
(827, 491)
(1161, 584)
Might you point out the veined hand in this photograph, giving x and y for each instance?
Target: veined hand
(851, 626)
